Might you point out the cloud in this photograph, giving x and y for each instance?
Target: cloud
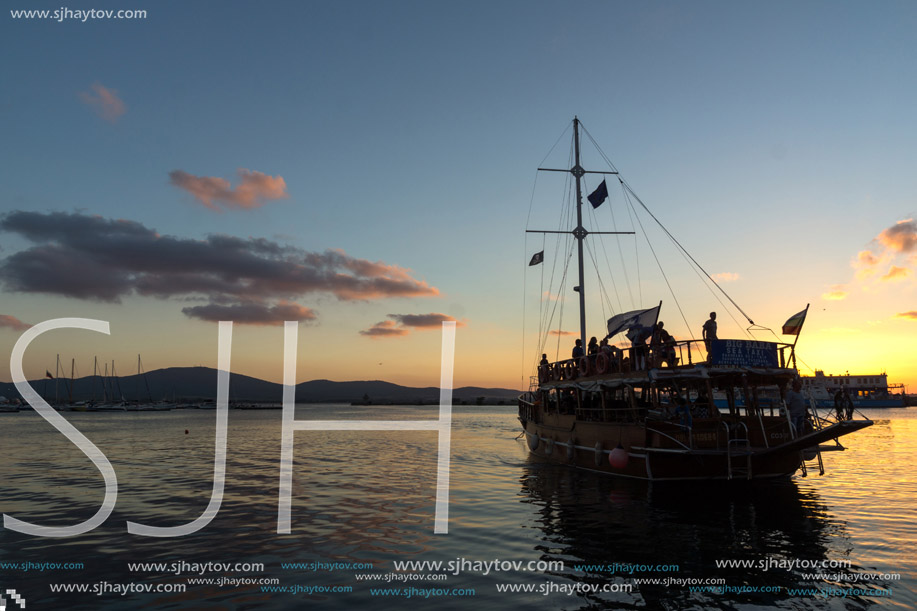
(254, 189)
(912, 315)
(867, 258)
(94, 258)
(559, 332)
(725, 277)
(252, 313)
(892, 246)
(425, 321)
(400, 324)
(386, 328)
(900, 237)
(838, 292)
(11, 322)
(104, 101)
(896, 274)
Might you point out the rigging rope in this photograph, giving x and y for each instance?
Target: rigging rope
(677, 243)
(659, 264)
(611, 274)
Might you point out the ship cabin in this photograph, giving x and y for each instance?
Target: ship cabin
(671, 392)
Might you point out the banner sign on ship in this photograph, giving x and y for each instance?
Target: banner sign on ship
(743, 353)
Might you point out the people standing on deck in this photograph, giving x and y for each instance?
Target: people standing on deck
(578, 349)
(796, 406)
(544, 360)
(604, 347)
(593, 347)
(848, 405)
(709, 331)
(663, 345)
(638, 336)
(839, 404)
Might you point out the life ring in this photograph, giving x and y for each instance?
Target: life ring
(601, 363)
(557, 371)
(584, 366)
(598, 453)
(569, 370)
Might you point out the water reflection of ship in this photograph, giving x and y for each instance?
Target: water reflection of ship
(586, 519)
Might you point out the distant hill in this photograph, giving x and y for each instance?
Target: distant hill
(197, 383)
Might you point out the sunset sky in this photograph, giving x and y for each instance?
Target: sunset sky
(368, 168)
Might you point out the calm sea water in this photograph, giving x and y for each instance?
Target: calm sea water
(368, 497)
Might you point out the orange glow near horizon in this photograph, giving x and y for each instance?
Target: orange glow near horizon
(486, 355)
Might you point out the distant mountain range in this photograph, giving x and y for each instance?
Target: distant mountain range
(200, 383)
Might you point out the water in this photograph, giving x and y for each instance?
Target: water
(368, 497)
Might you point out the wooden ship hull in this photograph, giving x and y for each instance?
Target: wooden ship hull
(623, 425)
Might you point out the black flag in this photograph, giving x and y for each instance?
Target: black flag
(537, 258)
(599, 195)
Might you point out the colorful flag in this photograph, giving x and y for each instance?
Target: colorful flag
(794, 325)
(537, 258)
(599, 195)
(642, 319)
(48, 374)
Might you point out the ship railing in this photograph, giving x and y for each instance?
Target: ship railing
(688, 431)
(605, 414)
(785, 412)
(820, 421)
(729, 428)
(527, 406)
(763, 429)
(640, 358)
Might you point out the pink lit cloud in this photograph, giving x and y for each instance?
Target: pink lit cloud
(900, 237)
(400, 324)
(896, 274)
(11, 322)
(104, 101)
(838, 292)
(912, 315)
(255, 189)
(725, 277)
(386, 328)
(252, 313)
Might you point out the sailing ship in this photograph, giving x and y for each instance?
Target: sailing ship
(646, 410)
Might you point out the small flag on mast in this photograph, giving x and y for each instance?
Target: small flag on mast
(794, 325)
(48, 374)
(537, 258)
(599, 195)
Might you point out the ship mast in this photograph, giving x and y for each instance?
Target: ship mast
(579, 232)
